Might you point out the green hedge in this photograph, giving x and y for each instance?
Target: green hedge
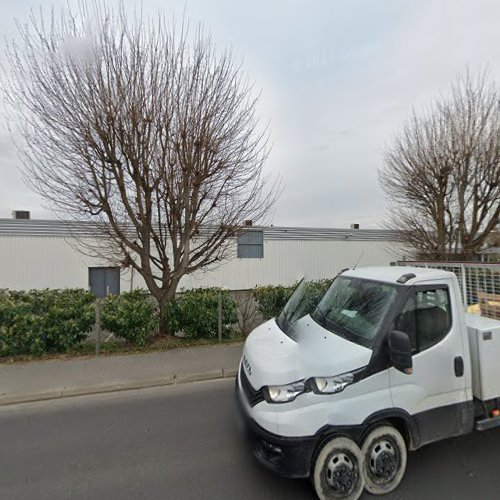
(130, 315)
(37, 322)
(314, 293)
(272, 299)
(44, 321)
(195, 313)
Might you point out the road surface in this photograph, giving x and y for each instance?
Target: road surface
(181, 442)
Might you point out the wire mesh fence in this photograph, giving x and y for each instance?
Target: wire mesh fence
(479, 284)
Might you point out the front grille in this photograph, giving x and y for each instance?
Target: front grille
(254, 396)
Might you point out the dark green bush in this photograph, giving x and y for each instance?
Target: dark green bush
(130, 315)
(314, 293)
(272, 299)
(195, 312)
(36, 322)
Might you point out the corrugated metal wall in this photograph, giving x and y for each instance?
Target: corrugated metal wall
(52, 262)
(285, 261)
(43, 262)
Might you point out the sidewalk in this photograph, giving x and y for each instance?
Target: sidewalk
(39, 380)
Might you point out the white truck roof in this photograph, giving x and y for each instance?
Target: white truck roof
(390, 274)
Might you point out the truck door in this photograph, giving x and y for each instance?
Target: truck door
(435, 393)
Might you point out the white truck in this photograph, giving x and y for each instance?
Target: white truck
(386, 362)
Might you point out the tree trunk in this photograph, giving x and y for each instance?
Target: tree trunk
(164, 299)
(163, 329)
(441, 228)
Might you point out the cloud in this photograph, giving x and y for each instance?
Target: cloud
(338, 80)
(79, 48)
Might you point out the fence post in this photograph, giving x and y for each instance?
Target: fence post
(98, 326)
(219, 316)
(464, 285)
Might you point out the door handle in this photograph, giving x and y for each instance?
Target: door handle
(459, 366)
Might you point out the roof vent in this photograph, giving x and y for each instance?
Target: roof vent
(406, 277)
(20, 214)
(248, 223)
(354, 226)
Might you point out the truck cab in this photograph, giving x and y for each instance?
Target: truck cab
(340, 390)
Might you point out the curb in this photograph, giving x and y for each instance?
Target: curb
(121, 387)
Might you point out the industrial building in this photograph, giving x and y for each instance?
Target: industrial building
(36, 254)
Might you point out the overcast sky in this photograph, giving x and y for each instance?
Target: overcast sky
(338, 79)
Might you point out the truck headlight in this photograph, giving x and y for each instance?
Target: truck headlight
(283, 393)
(331, 385)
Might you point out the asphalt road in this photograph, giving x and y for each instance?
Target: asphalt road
(181, 442)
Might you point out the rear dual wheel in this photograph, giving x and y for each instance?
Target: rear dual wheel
(342, 470)
(384, 460)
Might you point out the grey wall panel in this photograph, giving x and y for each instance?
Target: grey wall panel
(54, 262)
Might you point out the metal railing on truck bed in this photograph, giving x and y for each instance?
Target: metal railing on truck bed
(479, 284)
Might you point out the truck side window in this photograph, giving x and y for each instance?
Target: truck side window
(406, 323)
(426, 318)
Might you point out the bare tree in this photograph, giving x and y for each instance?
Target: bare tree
(145, 130)
(442, 174)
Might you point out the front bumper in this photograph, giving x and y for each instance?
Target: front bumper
(286, 456)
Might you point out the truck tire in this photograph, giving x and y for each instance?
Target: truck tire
(384, 460)
(337, 470)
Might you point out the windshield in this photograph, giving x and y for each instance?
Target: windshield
(355, 308)
(303, 300)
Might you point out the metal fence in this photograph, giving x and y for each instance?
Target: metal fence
(479, 284)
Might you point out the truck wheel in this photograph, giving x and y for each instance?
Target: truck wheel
(338, 470)
(384, 460)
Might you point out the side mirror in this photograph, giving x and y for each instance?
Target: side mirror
(400, 351)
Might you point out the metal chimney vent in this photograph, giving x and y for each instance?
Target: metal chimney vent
(354, 226)
(20, 214)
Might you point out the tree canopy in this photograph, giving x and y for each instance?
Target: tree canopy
(442, 173)
(141, 126)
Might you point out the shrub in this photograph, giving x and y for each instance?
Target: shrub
(130, 315)
(272, 299)
(314, 293)
(248, 312)
(44, 321)
(195, 312)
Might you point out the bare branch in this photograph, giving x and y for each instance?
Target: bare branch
(142, 127)
(442, 174)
